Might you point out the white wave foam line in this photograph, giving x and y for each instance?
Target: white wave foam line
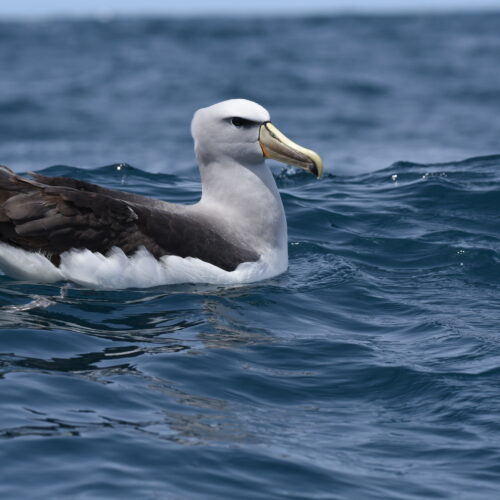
(140, 270)
(36, 303)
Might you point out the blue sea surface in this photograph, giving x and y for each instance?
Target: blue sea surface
(370, 369)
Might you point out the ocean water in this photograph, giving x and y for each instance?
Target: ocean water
(370, 369)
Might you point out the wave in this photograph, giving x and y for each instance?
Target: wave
(110, 171)
(469, 167)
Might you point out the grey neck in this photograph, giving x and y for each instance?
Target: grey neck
(245, 203)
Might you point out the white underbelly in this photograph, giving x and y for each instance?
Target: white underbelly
(140, 270)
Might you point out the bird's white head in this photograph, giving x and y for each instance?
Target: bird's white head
(240, 131)
(228, 131)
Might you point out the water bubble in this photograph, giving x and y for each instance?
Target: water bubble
(122, 167)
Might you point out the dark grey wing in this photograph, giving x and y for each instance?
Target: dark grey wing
(55, 218)
(188, 236)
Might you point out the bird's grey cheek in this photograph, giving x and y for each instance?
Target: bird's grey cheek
(202, 155)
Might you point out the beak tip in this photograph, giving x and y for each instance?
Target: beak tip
(317, 170)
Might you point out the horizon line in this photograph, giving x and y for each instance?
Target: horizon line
(254, 13)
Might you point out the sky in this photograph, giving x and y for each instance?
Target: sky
(41, 8)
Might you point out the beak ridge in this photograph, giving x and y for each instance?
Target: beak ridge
(276, 145)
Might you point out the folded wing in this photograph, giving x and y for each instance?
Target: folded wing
(56, 214)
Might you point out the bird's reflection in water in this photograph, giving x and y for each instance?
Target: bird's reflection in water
(128, 329)
(227, 327)
(187, 313)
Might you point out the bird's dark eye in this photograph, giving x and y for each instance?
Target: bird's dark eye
(242, 122)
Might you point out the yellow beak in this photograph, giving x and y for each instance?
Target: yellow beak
(276, 145)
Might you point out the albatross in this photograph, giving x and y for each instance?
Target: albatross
(59, 228)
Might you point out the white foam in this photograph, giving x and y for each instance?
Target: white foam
(37, 303)
(141, 270)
